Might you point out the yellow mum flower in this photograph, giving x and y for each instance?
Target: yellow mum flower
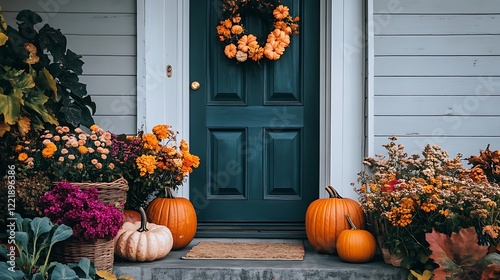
(146, 164)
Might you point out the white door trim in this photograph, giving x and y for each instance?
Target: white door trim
(342, 126)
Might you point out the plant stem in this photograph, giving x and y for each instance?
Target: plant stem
(353, 226)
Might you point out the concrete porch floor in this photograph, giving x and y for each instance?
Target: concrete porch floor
(314, 266)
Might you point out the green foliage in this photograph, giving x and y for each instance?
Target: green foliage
(39, 83)
(34, 239)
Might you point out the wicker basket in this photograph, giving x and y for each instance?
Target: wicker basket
(109, 193)
(71, 250)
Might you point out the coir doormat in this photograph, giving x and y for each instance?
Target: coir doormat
(246, 251)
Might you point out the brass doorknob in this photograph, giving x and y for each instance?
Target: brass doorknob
(195, 85)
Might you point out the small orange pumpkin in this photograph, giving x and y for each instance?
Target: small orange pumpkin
(356, 245)
(325, 220)
(176, 213)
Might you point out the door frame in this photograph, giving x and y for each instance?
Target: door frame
(163, 41)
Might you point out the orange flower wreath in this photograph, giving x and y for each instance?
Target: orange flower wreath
(242, 45)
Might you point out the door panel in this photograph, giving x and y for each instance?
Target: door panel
(254, 125)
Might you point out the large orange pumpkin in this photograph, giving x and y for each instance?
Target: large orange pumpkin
(176, 213)
(325, 220)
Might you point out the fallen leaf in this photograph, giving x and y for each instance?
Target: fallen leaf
(424, 276)
(456, 255)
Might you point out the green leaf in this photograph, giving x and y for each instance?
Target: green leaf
(85, 269)
(63, 272)
(10, 106)
(62, 233)
(46, 81)
(40, 226)
(22, 240)
(4, 252)
(54, 41)
(73, 62)
(6, 272)
(37, 276)
(3, 23)
(36, 101)
(72, 114)
(29, 17)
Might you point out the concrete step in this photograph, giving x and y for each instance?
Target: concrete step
(314, 266)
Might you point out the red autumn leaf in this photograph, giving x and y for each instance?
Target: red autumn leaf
(491, 272)
(458, 255)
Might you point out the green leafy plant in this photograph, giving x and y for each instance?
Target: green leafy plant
(34, 239)
(39, 83)
(459, 256)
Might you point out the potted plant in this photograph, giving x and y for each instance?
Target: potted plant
(94, 223)
(74, 155)
(155, 165)
(39, 80)
(409, 197)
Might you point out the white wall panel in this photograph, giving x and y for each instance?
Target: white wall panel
(104, 33)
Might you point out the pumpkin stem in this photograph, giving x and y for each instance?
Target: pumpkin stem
(353, 226)
(169, 193)
(144, 220)
(332, 192)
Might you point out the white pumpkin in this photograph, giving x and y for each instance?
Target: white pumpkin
(143, 241)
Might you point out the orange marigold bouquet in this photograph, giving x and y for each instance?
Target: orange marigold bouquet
(152, 163)
(406, 196)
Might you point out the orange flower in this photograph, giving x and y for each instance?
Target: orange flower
(93, 128)
(83, 150)
(227, 23)
(49, 150)
(22, 157)
(281, 25)
(230, 50)
(161, 131)
(146, 164)
(237, 29)
(150, 141)
(281, 12)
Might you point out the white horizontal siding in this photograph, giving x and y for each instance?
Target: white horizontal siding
(437, 74)
(104, 34)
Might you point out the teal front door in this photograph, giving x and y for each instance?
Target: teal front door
(254, 125)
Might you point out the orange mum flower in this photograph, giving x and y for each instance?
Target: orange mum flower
(150, 141)
(230, 50)
(161, 131)
(237, 29)
(281, 12)
(22, 157)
